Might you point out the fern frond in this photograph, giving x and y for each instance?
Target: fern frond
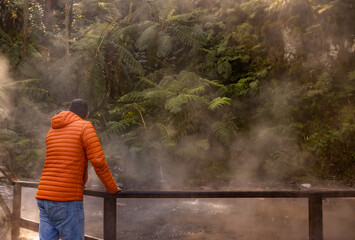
(147, 38)
(224, 131)
(157, 94)
(225, 69)
(175, 104)
(165, 137)
(147, 81)
(6, 134)
(197, 90)
(164, 45)
(37, 94)
(127, 57)
(131, 97)
(185, 35)
(203, 143)
(199, 34)
(213, 83)
(21, 82)
(142, 11)
(187, 17)
(168, 9)
(93, 85)
(244, 87)
(131, 29)
(211, 58)
(219, 102)
(113, 128)
(27, 87)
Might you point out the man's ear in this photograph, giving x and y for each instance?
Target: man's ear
(87, 116)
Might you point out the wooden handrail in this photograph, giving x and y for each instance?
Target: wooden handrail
(212, 194)
(315, 199)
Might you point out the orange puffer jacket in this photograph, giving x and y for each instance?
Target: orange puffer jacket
(71, 142)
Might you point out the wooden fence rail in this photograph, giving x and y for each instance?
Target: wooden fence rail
(315, 210)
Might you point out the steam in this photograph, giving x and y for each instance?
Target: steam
(5, 79)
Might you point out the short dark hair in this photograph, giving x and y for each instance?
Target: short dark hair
(79, 107)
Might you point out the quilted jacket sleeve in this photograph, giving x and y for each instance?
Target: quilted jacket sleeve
(96, 156)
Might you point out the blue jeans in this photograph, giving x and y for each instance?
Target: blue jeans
(63, 220)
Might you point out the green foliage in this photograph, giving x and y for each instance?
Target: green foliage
(166, 139)
(219, 102)
(168, 9)
(164, 45)
(224, 131)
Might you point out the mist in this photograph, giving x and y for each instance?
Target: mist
(4, 79)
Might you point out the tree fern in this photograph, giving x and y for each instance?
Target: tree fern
(165, 136)
(147, 38)
(224, 131)
(28, 88)
(203, 143)
(157, 93)
(168, 9)
(142, 11)
(186, 17)
(215, 83)
(245, 86)
(197, 90)
(164, 44)
(225, 69)
(127, 57)
(131, 29)
(147, 81)
(131, 97)
(113, 128)
(185, 35)
(175, 104)
(219, 102)
(93, 85)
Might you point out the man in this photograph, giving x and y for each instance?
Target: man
(71, 142)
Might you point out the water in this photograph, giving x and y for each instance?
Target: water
(207, 219)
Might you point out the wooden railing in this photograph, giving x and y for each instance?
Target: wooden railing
(315, 209)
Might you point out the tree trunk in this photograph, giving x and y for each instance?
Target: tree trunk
(71, 2)
(48, 14)
(67, 33)
(25, 25)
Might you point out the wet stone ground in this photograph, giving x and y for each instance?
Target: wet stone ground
(205, 219)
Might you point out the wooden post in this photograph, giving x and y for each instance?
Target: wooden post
(110, 217)
(16, 212)
(315, 215)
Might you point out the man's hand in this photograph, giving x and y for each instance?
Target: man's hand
(119, 190)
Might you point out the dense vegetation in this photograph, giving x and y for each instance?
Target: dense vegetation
(185, 91)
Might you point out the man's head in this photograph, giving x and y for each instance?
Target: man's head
(80, 108)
